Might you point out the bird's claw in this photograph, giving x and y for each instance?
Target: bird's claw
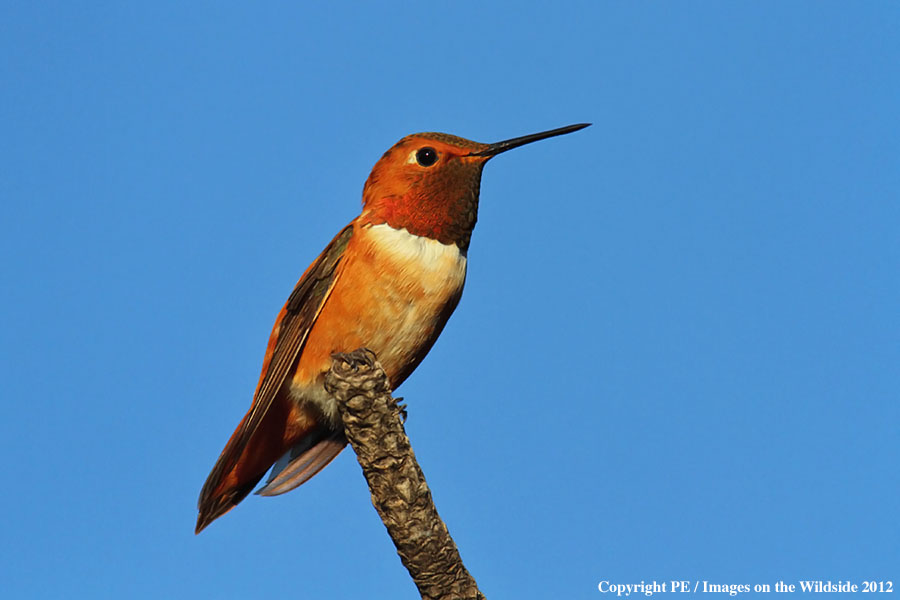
(363, 357)
(401, 408)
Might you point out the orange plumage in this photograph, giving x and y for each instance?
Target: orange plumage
(388, 281)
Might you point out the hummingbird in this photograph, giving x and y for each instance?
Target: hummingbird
(388, 282)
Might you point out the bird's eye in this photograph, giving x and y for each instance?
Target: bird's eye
(426, 156)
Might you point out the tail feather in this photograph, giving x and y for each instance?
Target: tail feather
(303, 461)
(219, 504)
(244, 461)
(289, 436)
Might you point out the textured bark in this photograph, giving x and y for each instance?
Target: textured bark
(373, 423)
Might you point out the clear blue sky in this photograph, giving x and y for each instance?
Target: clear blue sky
(678, 351)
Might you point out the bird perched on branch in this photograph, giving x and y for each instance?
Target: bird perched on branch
(388, 282)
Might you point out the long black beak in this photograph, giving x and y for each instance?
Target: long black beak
(503, 146)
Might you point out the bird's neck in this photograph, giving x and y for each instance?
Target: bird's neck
(448, 218)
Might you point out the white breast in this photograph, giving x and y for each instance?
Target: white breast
(428, 253)
(422, 278)
(413, 283)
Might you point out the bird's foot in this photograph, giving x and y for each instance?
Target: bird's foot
(401, 408)
(362, 357)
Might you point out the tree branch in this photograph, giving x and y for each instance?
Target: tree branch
(374, 427)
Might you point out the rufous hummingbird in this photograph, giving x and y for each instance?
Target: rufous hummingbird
(388, 282)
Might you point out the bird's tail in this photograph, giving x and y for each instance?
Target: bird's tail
(244, 461)
(289, 436)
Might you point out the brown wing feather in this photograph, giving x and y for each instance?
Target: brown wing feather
(287, 341)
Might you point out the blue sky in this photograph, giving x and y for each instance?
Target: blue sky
(676, 356)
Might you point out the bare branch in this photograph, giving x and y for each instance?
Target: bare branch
(374, 426)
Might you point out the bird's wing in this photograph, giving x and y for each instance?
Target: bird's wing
(285, 345)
